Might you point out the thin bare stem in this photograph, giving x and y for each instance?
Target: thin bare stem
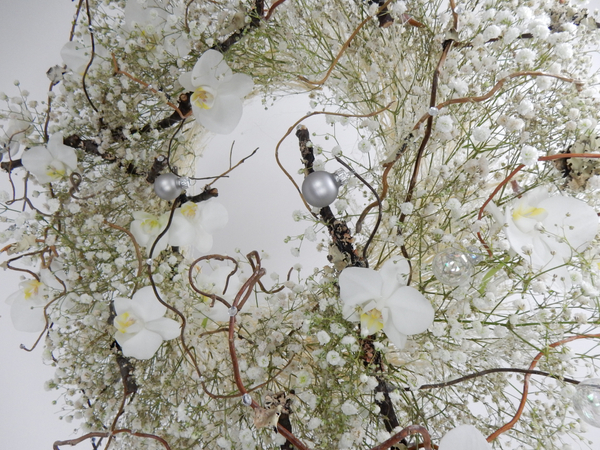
(344, 47)
(534, 363)
(137, 80)
(136, 246)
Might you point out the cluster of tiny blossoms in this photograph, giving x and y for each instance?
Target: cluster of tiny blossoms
(451, 102)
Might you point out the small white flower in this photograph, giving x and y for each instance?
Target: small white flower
(529, 156)
(217, 92)
(141, 327)
(480, 134)
(334, 358)
(323, 337)
(52, 161)
(525, 57)
(303, 379)
(349, 408)
(444, 124)
(364, 146)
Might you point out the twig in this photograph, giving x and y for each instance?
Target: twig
(104, 434)
(89, 64)
(366, 247)
(136, 246)
(412, 429)
(152, 89)
(537, 358)
(343, 49)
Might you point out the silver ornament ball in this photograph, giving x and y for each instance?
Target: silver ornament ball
(169, 186)
(586, 401)
(320, 189)
(452, 267)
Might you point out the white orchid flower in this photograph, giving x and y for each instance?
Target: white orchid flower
(381, 300)
(548, 230)
(217, 92)
(141, 327)
(194, 223)
(52, 161)
(145, 229)
(464, 437)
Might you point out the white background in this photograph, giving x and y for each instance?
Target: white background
(259, 198)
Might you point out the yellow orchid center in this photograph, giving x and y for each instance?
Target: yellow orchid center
(56, 170)
(189, 210)
(528, 212)
(32, 289)
(124, 321)
(150, 225)
(203, 97)
(371, 322)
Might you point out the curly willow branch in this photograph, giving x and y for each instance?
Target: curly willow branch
(138, 253)
(213, 297)
(537, 358)
(85, 437)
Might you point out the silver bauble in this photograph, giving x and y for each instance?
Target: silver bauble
(169, 186)
(320, 189)
(586, 401)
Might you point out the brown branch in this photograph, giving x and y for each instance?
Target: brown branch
(492, 91)
(213, 297)
(143, 83)
(338, 229)
(411, 429)
(104, 434)
(138, 252)
(343, 49)
(537, 358)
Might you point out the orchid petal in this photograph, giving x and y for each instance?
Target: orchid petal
(27, 315)
(167, 328)
(185, 79)
(141, 345)
(394, 274)
(182, 232)
(464, 437)
(224, 115)
(62, 152)
(572, 219)
(36, 160)
(149, 305)
(203, 241)
(239, 85)
(395, 337)
(359, 285)
(209, 68)
(410, 312)
(213, 216)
